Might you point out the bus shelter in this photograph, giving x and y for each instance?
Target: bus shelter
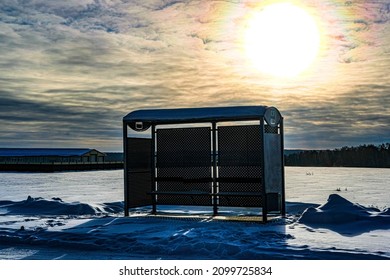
(213, 157)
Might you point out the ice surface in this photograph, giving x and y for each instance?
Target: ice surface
(49, 226)
(39, 223)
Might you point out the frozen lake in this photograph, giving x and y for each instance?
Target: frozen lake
(366, 186)
(303, 184)
(85, 220)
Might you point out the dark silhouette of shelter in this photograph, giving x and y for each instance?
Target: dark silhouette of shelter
(221, 156)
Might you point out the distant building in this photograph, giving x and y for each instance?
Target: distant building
(32, 155)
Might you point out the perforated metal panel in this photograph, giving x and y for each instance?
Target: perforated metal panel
(239, 145)
(184, 165)
(138, 162)
(240, 165)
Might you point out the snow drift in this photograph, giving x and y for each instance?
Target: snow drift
(338, 211)
(83, 231)
(55, 206)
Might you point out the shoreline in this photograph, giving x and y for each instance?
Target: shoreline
(59, 166)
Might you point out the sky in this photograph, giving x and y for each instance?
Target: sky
(70, 70)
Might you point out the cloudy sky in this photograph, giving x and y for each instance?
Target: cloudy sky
(70, 70)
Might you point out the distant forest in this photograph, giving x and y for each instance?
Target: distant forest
(361, 156)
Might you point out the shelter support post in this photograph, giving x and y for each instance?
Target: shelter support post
(153, 169)
(263, 188)
(126, 189)
(215, 187)
(283, 198)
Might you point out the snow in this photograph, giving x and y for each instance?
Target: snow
(188, 114)
(339, 211)
(42, 227)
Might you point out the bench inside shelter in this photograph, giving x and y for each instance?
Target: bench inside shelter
(213, 157)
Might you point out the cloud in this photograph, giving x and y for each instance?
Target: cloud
(352, 118)
(70, 70)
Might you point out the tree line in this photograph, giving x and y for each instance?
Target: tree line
(360, 156)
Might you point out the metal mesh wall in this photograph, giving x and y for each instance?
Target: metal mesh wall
(240, 165)
(138, 162)
(184, 165)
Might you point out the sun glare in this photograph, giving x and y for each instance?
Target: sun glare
(282, 40)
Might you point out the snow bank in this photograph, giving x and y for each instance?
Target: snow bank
(338, 211)
(55, 206)
(78, 230)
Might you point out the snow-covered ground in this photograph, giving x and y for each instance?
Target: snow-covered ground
(332, 213)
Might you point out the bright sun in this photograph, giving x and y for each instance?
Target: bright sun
(282, 40)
